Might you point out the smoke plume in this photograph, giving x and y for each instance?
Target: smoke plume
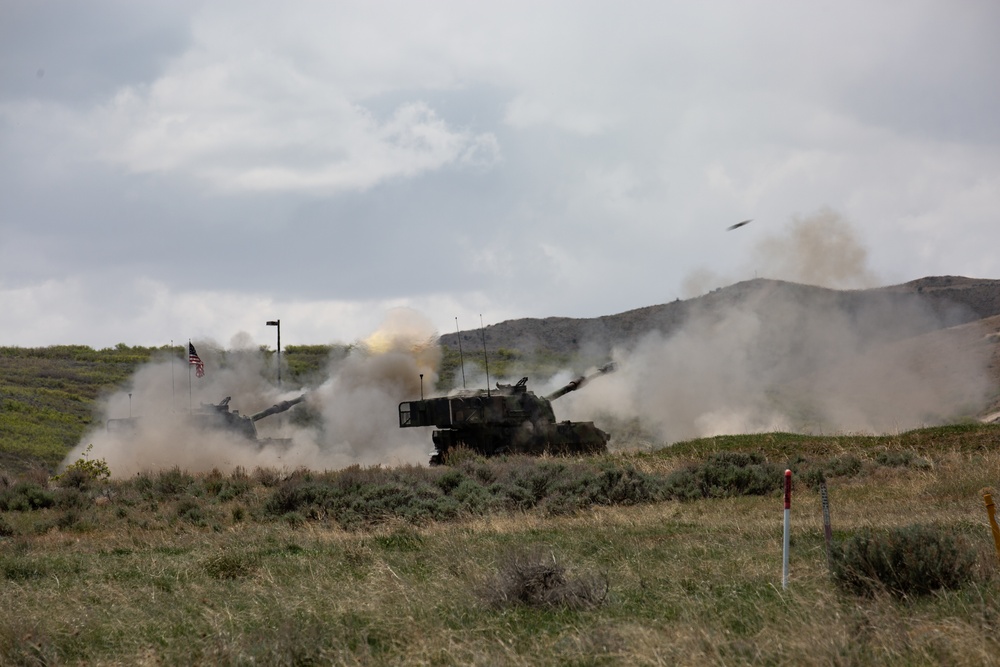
(356, 406)
(759, 356)
(822, 249)
(767, 356)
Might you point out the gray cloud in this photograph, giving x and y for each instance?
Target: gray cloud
(515, 160)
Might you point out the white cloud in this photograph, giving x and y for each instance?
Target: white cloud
(297, 138)
(523, 159)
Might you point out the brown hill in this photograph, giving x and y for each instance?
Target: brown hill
(929, 303)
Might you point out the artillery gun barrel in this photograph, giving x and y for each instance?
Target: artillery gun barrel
(278, 407)
(580, 381)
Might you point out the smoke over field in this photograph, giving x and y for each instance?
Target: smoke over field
(779, 361)
(766, 355)
(820, 249)
(356, 403)
(758, 356)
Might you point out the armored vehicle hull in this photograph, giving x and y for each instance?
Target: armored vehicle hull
(508, 420)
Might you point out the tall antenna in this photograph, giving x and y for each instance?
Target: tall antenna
(460, 355)
(486, 358)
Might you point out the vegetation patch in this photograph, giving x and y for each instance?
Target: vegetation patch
(725, 475)
(85, 472)
(26, 644)
(25, 496)
(266, 576)
(231, 565)
(534, 578)
(904, 561)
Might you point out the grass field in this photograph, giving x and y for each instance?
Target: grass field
(422, 566)
(48, 395)
(659, 557)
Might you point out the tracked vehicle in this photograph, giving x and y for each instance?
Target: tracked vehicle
(507, 420)
(218, 416)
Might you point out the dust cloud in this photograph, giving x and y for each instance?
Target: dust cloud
(353, 409)
(759, 356)
(821, 249)
(766, 355)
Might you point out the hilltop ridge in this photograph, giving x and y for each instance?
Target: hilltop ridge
(952, 300)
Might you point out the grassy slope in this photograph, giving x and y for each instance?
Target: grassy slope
(48, 395)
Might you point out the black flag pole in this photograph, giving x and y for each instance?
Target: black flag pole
(190, 400)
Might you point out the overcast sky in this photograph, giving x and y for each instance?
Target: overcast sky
(177, 170)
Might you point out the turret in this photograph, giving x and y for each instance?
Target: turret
(219, 415)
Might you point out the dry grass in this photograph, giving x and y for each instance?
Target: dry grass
(688, 583)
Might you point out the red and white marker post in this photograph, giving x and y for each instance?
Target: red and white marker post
(788, 527)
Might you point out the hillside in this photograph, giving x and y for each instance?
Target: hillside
(952, 299)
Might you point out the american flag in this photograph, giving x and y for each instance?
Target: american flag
(195, 360)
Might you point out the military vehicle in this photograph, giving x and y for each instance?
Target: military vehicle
(508, 420)
(218, 416)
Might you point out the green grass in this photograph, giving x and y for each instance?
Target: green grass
(48, 395)
(168, 568)
(958, 437)
(413, 565)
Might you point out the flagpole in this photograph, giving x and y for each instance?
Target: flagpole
(190, 400)
(173, 388)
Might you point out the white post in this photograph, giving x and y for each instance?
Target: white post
(788, 527)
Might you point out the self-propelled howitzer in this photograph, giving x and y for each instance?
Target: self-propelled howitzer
(219, 417)
(507, 420)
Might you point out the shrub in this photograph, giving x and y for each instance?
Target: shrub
(72, 498)
(71, 519)
(907, 561)
(84, 472)
(189, 509)
(848, 465)
(450, 480)
(724, 475)
(460, 455)
(25, 496)
(267, 476)
(902, 459)
(231, 565)
(213, 482)
(172, 482)
(535, 579)
(813, 473)
(233, 488)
